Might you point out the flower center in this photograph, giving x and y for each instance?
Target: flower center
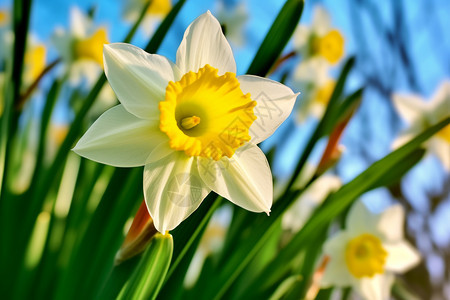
(92, 47)
(159, 7)
(3, 17)
(323, 95)
(365, 256)
(444, 133)
(206, 115)
(329, 46)
(34, 62)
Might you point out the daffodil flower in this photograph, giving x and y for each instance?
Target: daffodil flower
(311, 77)
(193, 124)
(156, 11)
(320, 39)
(420, 114)
(296, 216)
(233, 18)
(368, 253)
(34, 61)
(82, 47)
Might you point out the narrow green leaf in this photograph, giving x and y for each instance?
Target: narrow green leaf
(149, 276)
(324, 122)
(338, 202)
(276, 39)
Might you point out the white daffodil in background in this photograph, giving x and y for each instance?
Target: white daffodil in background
(194, 124)
(319, 39)
(233, 17)
(369, 252)
(156, 12)
(296, 216)
(311, 77)
(81, 48)
(420, 114)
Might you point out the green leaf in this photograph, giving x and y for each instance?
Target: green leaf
(338, 202)
(276, 39)
(149, 276)
(324, 122)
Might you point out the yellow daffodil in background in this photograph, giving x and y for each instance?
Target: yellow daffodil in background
(309, 200)
(191, 124)
(233, 19)
(34, 62)
(82, 47)
(156, 11)
(369, 252)
(420, 114)
(319, 39)
(311, 77)
(6, 36)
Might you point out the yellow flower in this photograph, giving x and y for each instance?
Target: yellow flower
(4, 18)
(81, 47)
(159, 8)
(91, 47)
(34, 62)
(329, 46)
(193, 124)
(368, 253)
(320, 39)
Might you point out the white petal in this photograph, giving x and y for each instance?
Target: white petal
(173, 190)
(245, 179)
(401, 257)
(63, 44)
(120, 139)
(440, 148)
(79, 22)
(390, 223)
(410, 107)
(375, 288)
(274, 104)
(138, 78)
(204, 43)
(336, 272)
(440, 102)
(301, 37)
(312, 72)
(360, 220)
(321, 23)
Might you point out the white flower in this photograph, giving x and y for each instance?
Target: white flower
(157, 10)
(81, 48)
(233, 19)
(368, 253)
(320, 39)
(191, 124)
(420, 114)
(311, 77)
(309, 200)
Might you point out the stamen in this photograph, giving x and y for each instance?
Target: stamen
(190, 122)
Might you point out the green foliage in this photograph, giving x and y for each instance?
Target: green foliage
(75, 255)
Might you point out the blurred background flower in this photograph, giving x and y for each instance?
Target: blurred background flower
(401, 59)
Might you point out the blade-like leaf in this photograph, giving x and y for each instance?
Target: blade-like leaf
(149, 276)
(341, 200)
(276, 39)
